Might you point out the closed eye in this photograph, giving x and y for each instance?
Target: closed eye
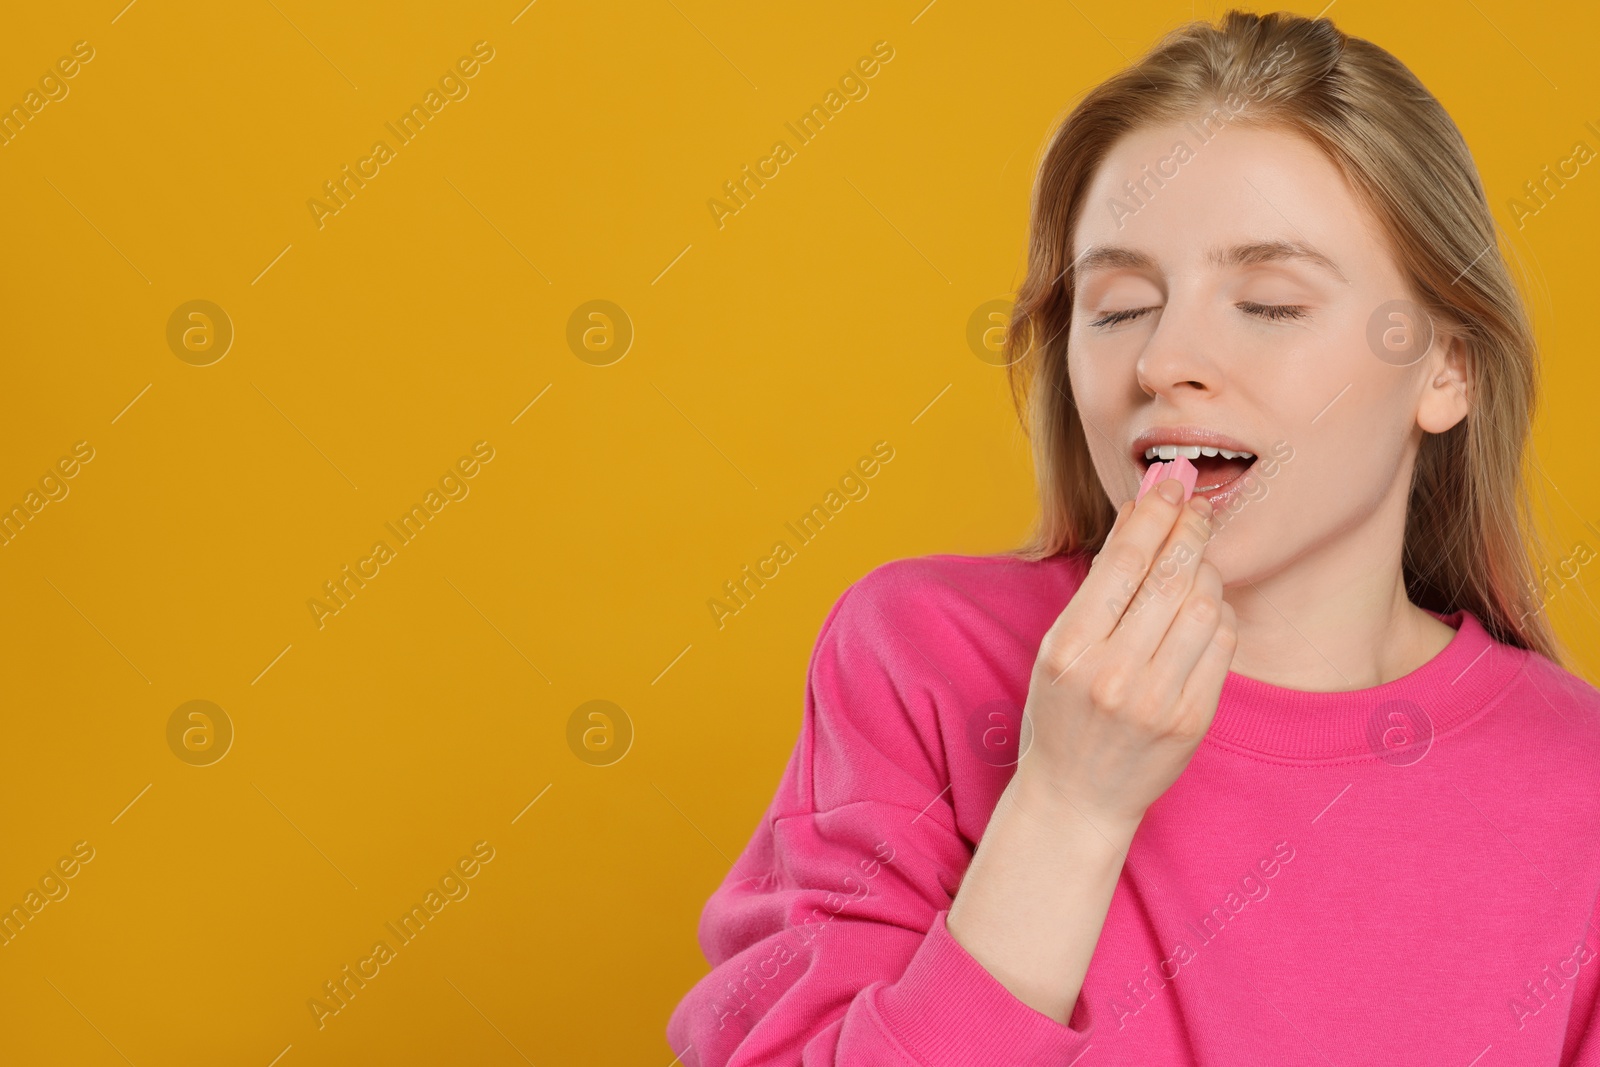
(1119, 316)
(1276, 312)
(1273, 312)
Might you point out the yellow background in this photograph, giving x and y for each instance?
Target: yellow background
(769, 355)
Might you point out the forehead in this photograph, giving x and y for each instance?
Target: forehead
(1178, 201)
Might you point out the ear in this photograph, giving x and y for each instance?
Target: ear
(1445, 398)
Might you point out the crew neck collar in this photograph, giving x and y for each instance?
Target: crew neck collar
(1395, 722)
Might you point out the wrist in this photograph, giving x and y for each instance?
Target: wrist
(1040, 799)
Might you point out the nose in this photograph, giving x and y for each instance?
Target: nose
(1173, 361)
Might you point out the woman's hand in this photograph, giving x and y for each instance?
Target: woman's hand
(1125, 684)
(1127, 679)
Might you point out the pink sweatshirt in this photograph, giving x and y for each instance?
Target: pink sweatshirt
(1405, 874)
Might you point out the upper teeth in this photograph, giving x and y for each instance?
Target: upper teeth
(1192, 452)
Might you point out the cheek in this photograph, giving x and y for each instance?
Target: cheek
(1356, 449)
(1099, 392)
(1346, 414)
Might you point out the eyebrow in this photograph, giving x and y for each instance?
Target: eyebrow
(1113, 257)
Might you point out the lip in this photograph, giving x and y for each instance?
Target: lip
(1195, 435)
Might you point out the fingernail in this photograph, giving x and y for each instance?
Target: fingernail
(1201, 505)
(1171, 490)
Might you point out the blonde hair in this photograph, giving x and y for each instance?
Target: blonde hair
(1469, 527)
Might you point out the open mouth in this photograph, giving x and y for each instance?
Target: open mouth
(1216, 467)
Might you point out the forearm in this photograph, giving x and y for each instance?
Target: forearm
(1034, 899)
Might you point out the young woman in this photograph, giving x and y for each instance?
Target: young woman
(1285, 771)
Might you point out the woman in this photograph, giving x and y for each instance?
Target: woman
(1300, 779)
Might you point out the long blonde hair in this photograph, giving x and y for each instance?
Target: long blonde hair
(1469, 527)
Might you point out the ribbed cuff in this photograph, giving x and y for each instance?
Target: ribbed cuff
(948, 1011)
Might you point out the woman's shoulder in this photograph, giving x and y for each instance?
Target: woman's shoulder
(943, 610)
(912, 664)
(1542, 725)
(943, 590)
(1570, 697)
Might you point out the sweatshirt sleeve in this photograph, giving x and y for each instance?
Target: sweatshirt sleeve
(1582, 1047)
(827, 939)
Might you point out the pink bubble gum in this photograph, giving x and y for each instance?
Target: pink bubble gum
(1180, 469)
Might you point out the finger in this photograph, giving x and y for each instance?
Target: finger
(1188, 637)
(1155, 604)
(1204, 687)
(1118, 569)
(1122, 513)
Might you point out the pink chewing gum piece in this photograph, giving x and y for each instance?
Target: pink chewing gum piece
(1185, 472)
(1179, 469)
(1149, 482)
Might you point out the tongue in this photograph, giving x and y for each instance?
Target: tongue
(1215, 471)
